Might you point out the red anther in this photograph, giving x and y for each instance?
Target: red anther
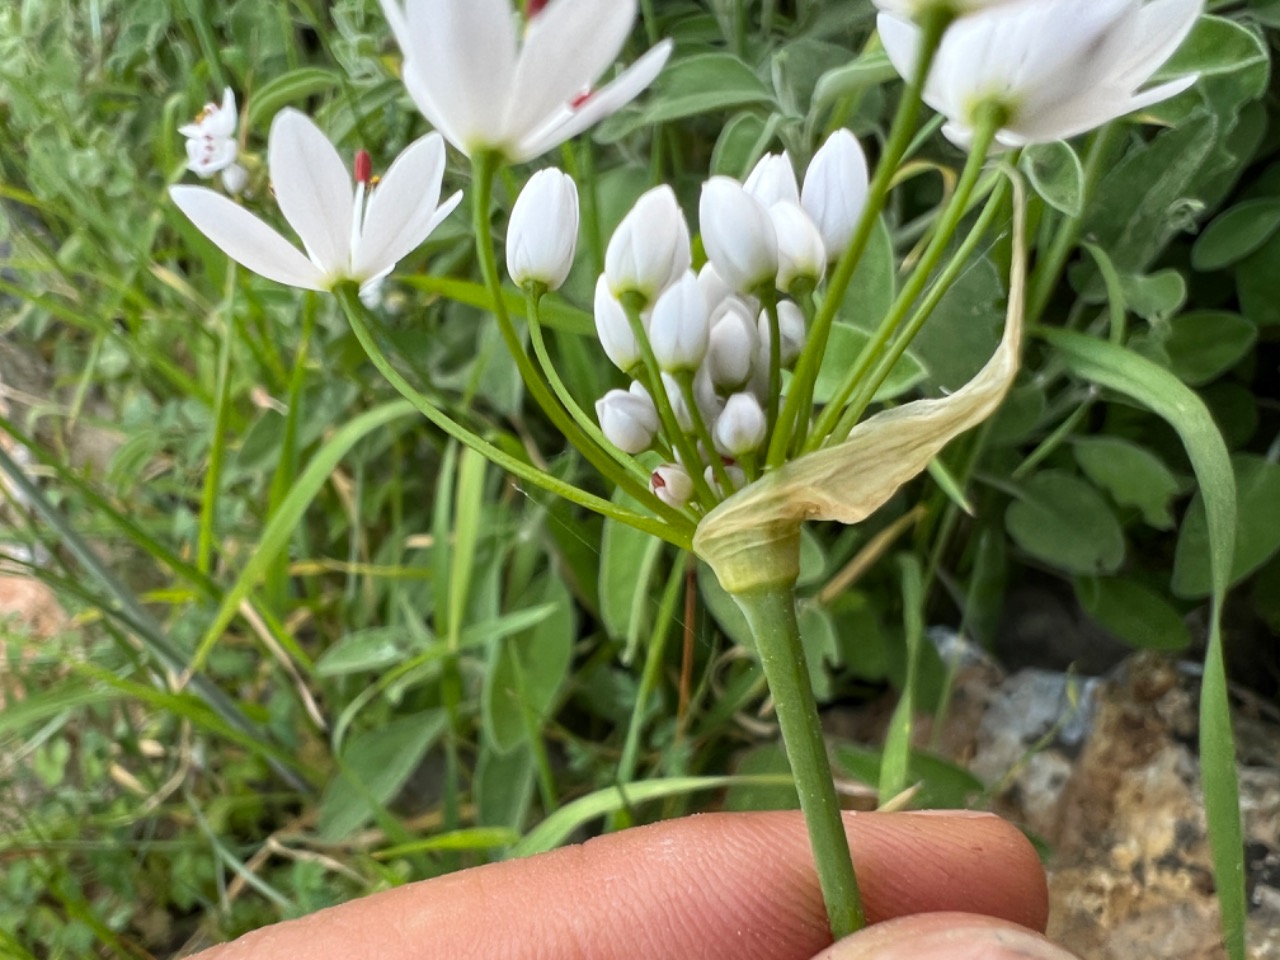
(580, 99)
(534, 7)
(656, 481)
(364, 166)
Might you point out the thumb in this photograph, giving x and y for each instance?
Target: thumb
(945, 936)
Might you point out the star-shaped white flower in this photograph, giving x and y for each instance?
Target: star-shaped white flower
(345, 237)
(483, 89)
(211, 137)
(1058, 67)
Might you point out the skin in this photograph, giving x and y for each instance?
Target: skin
(960, 886)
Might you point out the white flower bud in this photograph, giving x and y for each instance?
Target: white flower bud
(835, 190)
(543, 233)
(614, 329)
(738, 234)
(773, 180)
(678, 407)
(737, 477)
(235, 178)
(672, 484)
(733, 345)
(801, 253)
(790, 330)
(650, 248)
(680, 327)
(628, 421)
(714, 289)
(741, 427)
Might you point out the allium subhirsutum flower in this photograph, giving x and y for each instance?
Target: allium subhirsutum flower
(650, 249)
(956, 8)
(349, 233)
(211, 143)
(485, 88)
(1055, 68)
(543, 233)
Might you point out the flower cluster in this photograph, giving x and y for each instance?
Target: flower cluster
(700, 347)
(211, 143)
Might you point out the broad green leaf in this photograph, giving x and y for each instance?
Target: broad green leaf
(1133, 612)
(1155, 295)
(1257, 535)
(688, 87)
(1258, 283)
(771, 758)
(753, 538)
(289, 88)
(1066, 523)
(503, 787)
(1055, 171)
(628, 558)
(874, 283)
(1132, 475)
(1235, 233)
(736, 146)
(372, 769)
(363, 650)
(1112, 366)
(843, 349)
(869, 70)
(821, 649)
(1204, 344)
(1216, 46)
(943, 785)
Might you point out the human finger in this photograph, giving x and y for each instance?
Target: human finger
(945, 936)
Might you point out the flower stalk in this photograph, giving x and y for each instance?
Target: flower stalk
(770, 610)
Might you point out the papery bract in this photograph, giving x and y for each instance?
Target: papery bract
(543, 233)
(650, 249)
(485, 88)
(738, 234)
(345, 239)
(835, 190)
(1056, 68)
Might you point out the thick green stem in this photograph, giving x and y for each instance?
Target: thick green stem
(681, 535)
(771, 612)
(935, 23)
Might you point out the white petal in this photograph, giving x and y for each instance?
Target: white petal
(566, 48)
(1162, 25)
(605, 101)
(401, 208)
(1086, 113)
(464, 54)
(222, 122)
(312, 188)
(246, 239)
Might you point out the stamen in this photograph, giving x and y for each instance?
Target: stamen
(534, 7)
(656, 482)
(364, 166)
(580, 99)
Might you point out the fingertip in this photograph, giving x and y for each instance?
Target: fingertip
(945, 936)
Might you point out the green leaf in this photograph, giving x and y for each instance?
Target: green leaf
(896, 758)
(1204, 344)
(1133, 612)
(821, 648)
(628, 558)
(292, 87)
(503, 787)
(1235, 233)
(771, 758)
(869, 70)
(1057, 175)
(370, 649)
(1216, 46)
(875, 282)
(1132, 475)
(845, 345)
(1155, 295)
(943, 785)
(1065, 522)
(282, 524)
(1112, 366)
(688, 87)
(1257, 536)
(372, 769)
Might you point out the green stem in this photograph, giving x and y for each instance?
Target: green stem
(866, 389)
(771, 613)
(485, 166)
(681, 535)
(703, 433)
(218, 446)
(769, 297)
(1050, 266)
(792, 418)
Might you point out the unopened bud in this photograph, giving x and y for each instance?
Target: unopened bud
(790, 333)
(627, 421)
(614, 329)
(733, 345)
(773, 180)
(738, 235)
(801, 254)
(741, 428)
(543, 233)
(737, 478)
(650, 248)
(672, 484)
(835, 190)
(679, 328)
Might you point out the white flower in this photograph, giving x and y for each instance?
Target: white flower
(741, 427)
(211, 137)
(650, 249)
(801, 253)
(1058, 67)
(790, 334)
(672, 484)
(484, 89)
(714, 289)
(738, 234)
(773, 180)
(628, 420)
(913, 8)
(835, 190)
(737, 478)
(543, 232)
(614, 329)
(734, 344)
(679, 328)
(345, 239)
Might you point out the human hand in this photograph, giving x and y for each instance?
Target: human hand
(959, 886)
